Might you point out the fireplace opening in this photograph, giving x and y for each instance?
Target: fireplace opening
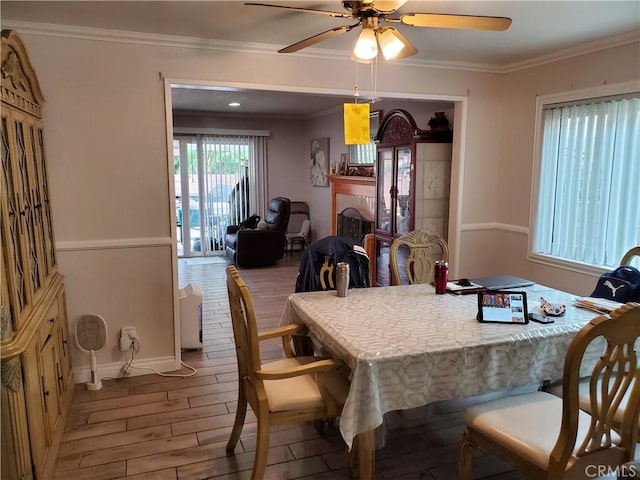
(353, 225)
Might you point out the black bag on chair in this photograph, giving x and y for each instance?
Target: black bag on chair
(317, 267)
(621, 285)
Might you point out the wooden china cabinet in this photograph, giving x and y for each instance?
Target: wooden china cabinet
(37, 379)
(413, 173)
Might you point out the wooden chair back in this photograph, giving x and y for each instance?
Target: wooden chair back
(289, 390)
(424, 249)
(369, 245)
(245, 333)
(628, 258)
(615, 379)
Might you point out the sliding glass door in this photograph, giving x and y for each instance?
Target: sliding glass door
(214, 188)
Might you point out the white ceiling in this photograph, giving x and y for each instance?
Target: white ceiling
(540, 29)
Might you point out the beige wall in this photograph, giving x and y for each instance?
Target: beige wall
(106, 143)
(612, 66)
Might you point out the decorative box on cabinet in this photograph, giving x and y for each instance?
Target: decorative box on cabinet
(413, 175)
(37, 379)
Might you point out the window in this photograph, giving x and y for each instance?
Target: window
(365, 154)
(362, 154)
(588, 194)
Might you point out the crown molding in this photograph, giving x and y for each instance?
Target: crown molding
(105, 35)
(85, 33)
(583, 49)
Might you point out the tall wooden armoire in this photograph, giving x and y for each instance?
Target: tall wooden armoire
(37, 379)
(413, 173)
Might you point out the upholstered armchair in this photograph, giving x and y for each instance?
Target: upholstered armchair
(262, 246)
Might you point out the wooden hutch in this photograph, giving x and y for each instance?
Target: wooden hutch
(37, 379)
(413, 172)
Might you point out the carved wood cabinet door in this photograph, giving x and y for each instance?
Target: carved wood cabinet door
(37, 379)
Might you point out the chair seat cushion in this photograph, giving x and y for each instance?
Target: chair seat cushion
(526, 424)
(301, 392)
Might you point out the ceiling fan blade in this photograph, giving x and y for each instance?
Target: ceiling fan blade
(307, 42)
(439, 20)
(388, 6)
(300, 9)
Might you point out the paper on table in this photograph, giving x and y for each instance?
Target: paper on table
(454, 287)
(600, 305)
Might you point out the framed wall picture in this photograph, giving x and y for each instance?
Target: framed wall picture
(319, 162)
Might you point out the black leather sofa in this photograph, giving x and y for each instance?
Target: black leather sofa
(247, 247)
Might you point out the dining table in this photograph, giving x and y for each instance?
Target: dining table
(407, 346)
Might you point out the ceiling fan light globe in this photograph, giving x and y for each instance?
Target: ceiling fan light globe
(367, 46)
(390, 44)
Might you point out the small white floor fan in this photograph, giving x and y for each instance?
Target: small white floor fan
(91, 334)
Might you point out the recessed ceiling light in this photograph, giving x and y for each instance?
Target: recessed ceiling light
(234, 104)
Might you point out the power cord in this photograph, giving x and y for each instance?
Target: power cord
(193, 371)
(129, 364)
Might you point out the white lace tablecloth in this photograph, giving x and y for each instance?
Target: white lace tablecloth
(408, 347)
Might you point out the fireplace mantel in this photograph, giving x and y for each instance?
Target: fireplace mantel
(349, 185)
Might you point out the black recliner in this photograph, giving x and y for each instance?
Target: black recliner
(249, 247)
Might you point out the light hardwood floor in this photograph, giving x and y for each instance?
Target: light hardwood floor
(166, 428)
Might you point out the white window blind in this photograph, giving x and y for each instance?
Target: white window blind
(589, 187)
(220, 181)
(363, 154)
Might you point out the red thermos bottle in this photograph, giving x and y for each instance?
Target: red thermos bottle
(441, 276)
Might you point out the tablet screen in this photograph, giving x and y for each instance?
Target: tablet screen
(502, 307)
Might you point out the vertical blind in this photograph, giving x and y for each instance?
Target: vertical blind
(589, 186)
(236, 161)
(221, 182)
(226, 164)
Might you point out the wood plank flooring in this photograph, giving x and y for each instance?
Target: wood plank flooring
(152, 427)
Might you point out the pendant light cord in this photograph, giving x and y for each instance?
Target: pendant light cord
(356, 94)
(373, 72)
(374, 79)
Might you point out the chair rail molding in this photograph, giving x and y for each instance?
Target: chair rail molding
(107, 244)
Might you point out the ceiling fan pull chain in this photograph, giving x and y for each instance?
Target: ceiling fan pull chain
(374, 79)
(356, 94)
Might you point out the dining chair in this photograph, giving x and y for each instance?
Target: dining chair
(629, 258)
(300, 237)
(632, 257)
(369, 245)
(418, 250)
(289, 390)
(548, 437)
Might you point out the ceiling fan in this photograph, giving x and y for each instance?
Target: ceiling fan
(370, 13)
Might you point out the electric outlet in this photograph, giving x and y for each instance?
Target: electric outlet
(128, 331)
(127, 335)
